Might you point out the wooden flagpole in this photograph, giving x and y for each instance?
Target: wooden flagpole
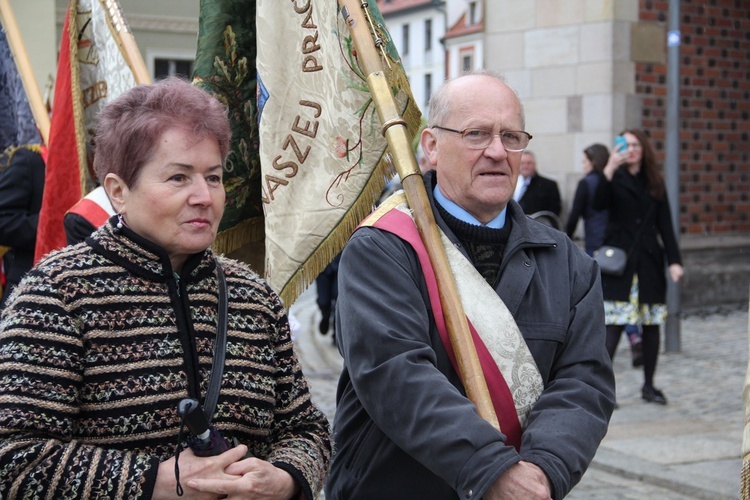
(125, 40)
(38, 109)
(394, 129)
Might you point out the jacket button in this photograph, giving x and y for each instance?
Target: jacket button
(527, 263)
(469, 493)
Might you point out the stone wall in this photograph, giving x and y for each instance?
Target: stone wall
(717, 271)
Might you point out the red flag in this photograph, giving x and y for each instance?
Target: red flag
(62, 188)
(97, 63)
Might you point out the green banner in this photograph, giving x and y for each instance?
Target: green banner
(225, 67)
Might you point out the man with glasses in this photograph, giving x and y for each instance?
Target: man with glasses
(404, 428)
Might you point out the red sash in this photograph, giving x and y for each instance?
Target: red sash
(91, 211)
(402, 225)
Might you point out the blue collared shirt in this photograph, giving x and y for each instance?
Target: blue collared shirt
(461, 214)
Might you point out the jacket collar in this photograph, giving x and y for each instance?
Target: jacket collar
(524, 232)
(631, 183)
(144, 258)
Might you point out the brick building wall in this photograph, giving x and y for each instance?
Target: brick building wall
(714, 112)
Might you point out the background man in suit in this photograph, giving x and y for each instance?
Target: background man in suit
(533, 192)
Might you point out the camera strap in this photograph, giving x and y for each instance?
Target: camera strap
(220, 348)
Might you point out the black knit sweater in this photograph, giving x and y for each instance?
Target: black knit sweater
(485, 245)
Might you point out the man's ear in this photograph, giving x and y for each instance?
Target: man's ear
(116, 190)
(429, 146)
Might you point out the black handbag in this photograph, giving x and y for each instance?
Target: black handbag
(611, 260)
(614, 260)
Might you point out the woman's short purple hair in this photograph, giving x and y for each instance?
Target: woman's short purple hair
(128, 128)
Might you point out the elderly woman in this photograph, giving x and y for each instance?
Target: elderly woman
(102, 340)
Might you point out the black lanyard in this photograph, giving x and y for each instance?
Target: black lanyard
(220, 349)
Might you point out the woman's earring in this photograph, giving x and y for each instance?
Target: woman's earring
(118, 226)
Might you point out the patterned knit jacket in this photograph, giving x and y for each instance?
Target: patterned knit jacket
(101, 342)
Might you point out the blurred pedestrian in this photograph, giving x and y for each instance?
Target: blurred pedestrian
(534, 192)
(639, 221)
(327, 286)
(88, 215)
(21, 190)
(595, 158)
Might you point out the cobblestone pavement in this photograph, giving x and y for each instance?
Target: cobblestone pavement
(687, 449)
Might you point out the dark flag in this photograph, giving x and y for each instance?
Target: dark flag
(17, 125)
(225, 67)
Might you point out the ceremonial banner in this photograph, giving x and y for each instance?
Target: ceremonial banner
(225, 67)
(17, 125)
(323, 157)
(91, 71)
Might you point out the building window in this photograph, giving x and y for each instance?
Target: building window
(405, 36)
(467, 62)
(427, 34)
(427, 88)
(472, 13)
(164, 67)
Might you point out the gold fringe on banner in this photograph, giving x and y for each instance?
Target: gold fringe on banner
(332, 245)
(247, 231)
(337, 238)
(77, 100)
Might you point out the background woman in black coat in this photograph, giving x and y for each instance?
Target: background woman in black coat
(639, 215)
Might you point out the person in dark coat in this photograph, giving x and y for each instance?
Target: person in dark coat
(595, 157)
(327, 286)
(89, 214)
(404, 427)
(639, 216)
(534, 192)
(21, 189)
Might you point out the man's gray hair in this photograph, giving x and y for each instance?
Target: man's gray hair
(440, 104)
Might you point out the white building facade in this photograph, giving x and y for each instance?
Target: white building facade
(417, 28)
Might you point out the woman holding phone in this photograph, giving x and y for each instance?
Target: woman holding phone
(639, 216)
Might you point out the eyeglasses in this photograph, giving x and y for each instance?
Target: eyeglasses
(480, 138)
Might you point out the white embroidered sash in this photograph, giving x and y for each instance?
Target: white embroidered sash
(493, 322)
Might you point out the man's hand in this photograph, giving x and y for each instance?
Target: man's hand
(523, 481)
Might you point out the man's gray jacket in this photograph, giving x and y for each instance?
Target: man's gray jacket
(403, 427)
